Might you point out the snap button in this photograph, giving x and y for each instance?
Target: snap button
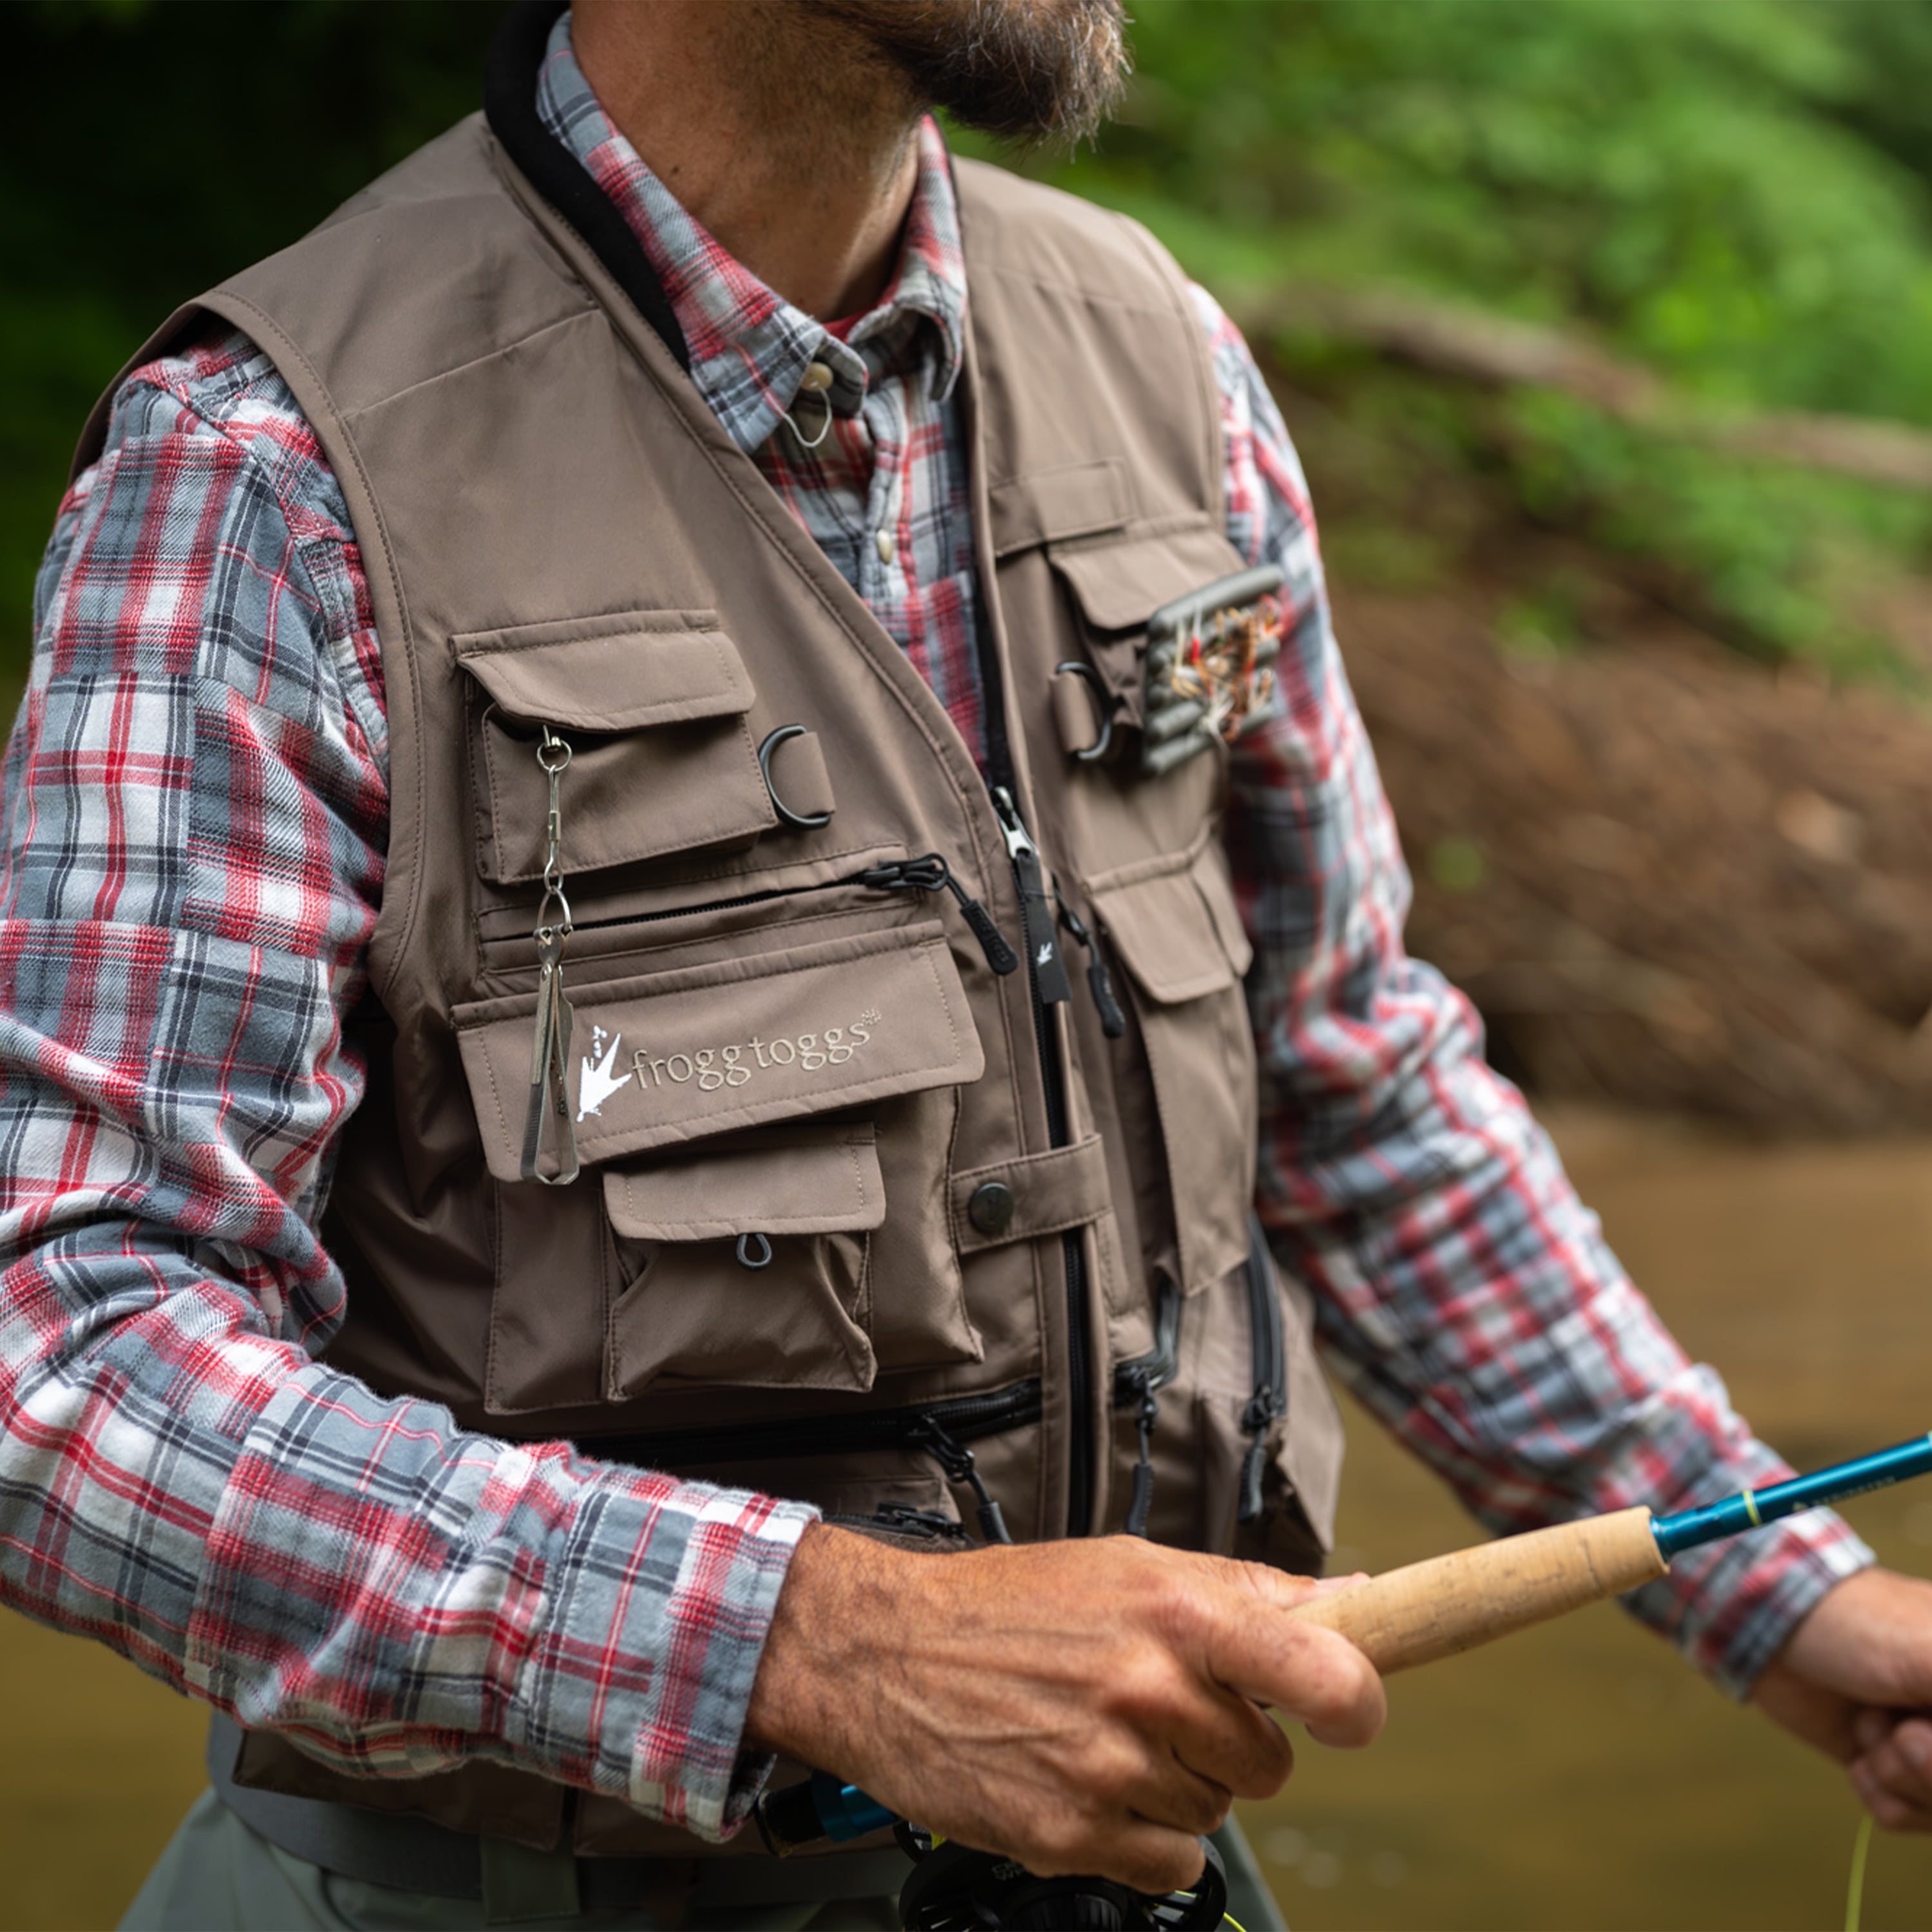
(990, 1209)
(886, 548)
(817, 379)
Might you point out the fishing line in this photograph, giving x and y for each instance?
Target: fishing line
(1854, 1894)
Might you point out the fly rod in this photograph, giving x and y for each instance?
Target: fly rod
(1451, 1603)
(1401, 1619)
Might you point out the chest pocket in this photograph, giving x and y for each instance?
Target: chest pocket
(656, 705)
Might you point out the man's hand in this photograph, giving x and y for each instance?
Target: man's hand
(1088, 1707)
(1855, 1680)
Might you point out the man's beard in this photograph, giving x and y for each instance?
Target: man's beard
(1040, 70)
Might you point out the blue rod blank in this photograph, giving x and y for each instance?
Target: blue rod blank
(1752, 1508)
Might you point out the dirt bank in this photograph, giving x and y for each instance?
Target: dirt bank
(1670, 876)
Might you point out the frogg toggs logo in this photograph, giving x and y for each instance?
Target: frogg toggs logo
(711, 1069)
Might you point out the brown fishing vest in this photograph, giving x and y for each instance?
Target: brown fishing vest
(860, 1219)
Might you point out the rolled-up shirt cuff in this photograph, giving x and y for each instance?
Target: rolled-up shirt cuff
(677, 1604)
(1730, 1607)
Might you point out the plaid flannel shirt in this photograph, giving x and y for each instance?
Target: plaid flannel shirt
(195, 812)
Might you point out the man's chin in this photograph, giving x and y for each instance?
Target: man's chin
(1038, 70)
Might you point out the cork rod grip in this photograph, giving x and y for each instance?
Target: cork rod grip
(1453, 1603)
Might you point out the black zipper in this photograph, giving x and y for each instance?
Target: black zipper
(964, 1418)
(932, 874)
(928, 874)
(1046, 976)
(956, 1460)
(1137, 1381)
(1100, 977)
(1269, 1399)
(908, 1522)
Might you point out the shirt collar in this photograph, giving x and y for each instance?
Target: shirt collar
(749, 347)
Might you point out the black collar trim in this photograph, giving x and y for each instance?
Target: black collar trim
(510, 107)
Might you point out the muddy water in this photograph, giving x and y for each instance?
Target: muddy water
(1576, 1777)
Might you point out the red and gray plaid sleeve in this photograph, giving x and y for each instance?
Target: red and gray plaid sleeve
(195, 814)
(1464, 1292)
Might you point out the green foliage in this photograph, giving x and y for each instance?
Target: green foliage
(1686, 177)
(1781, 557)
(1738, 192)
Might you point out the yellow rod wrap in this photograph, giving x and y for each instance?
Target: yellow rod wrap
(1750, 1509)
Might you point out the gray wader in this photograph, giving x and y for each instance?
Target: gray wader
(246, 1861)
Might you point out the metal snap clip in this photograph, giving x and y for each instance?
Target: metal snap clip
(798, 821)
(755, 1258)
(1105, 704)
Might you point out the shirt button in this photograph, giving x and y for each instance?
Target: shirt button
(990, 1209)
(817, 379)
(886, 548)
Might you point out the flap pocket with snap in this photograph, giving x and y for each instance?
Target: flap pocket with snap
(749, 1266)
(1178, 932)
(1117, 583)
(795, 1181)
(654, 704)
(663, 1057)
(1177, 928)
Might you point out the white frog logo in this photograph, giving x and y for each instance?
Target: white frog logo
(595, 1083)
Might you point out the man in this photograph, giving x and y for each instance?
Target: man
(599, 567)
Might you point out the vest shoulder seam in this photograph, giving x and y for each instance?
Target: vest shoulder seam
(588, 313)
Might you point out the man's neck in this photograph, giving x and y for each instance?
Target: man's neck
(792, 143)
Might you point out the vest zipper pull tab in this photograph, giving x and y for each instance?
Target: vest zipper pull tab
(1042, 939)
(1269, 1402)
(956, 1460)
(930, 874)
(1137, 1381)
(1146, 1416)
(1100, 980)
(993, 943)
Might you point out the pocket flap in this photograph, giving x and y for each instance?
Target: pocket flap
(1119, 585)
(619, 673)
(1178, 930)
(1046, 1194)
(1072, 499)
(795, 1181)
(665, 1057)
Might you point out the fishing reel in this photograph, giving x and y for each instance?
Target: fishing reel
(953, 1888)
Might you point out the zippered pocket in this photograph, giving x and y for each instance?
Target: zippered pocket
(942, 1431)
(1269, 1401)
(1138, 1382)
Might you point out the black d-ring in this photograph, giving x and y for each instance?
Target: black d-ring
(798, 821)
(1105, 702)
(754, 1258)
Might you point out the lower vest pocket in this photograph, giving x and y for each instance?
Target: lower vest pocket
(1180, 937)
(749, 1267)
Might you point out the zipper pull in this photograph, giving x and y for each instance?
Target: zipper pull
(1136, 1382)
(993, 943)
(1042, 940)
(932, 874)
(1146, 1415)
(1099, 980)
(956, 1460)
(1261, 1410)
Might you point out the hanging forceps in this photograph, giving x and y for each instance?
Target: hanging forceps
(549, 1050)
